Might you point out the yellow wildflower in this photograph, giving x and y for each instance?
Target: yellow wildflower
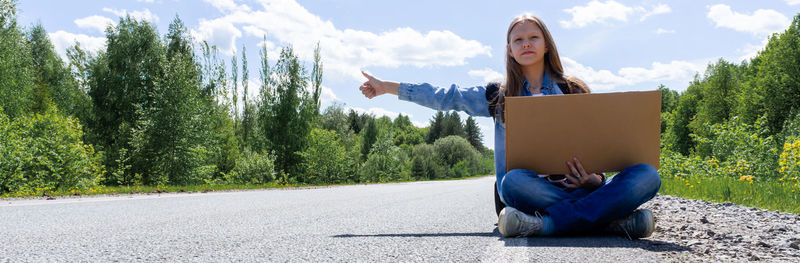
(746, 177)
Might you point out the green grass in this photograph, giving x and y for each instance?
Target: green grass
(772, 194)
(110, 190)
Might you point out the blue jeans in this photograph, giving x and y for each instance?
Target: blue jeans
(579, 210)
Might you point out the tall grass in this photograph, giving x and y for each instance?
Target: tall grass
(772, 194)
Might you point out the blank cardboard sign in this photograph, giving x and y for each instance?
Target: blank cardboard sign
(606, 131)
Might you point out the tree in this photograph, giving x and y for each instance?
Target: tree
(248, 116)
(451, 125)
(778, 76)
(171, 131)
(79, 65)
(53, 83)
(473, 134)
(122, 82)
(16, 82)
(266, 100)
(677, 132)
(316, 83)
(334, 119)
(720, 81)
(235, 95)
(669, 98)
(285, 126)
(217, 128)
(369, 136)
(355, 121)
(436, 127)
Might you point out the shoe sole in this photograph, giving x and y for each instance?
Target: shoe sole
(648, 216)
(502, 221)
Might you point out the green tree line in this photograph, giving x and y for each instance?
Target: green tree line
(740, 120)
(162, 110)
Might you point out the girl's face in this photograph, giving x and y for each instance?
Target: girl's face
(527, 45)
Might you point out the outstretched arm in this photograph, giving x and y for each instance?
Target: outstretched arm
(470, 100)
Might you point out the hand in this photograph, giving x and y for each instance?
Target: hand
(579, 178)
(372, 87)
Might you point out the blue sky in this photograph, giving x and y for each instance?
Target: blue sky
(611, 45)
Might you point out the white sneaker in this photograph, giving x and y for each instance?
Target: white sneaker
(513, 222)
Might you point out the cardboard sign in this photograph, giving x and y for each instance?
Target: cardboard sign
(606, 131)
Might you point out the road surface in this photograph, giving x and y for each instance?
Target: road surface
(435, 221)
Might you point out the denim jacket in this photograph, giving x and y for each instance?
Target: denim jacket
(473, 102)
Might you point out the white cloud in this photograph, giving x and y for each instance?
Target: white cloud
(95, 22)
(140, 15)
(657, 10)
(487, 74)
(228, 5)
(146, 1)
(327, 95)
(606, 80)
(750, 50)
(62, 40)
(420, 124)
(346, 51)
(665, 31)
(596, 12)
(254, 31)
(793, 2)
(218, 32)
(603, 12)
(761, 23)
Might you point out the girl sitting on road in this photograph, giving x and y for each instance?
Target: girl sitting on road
(530, 204)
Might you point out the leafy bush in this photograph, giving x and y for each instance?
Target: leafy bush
(461, 169)
(453, 149)
(487, 162)
(252, 168)
(424, 164)
(791, 129)
(739, 147)
(383, 163)
(44, 153)
(325, 160)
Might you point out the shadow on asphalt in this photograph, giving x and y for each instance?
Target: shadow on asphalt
(596, 241)
(478, 234)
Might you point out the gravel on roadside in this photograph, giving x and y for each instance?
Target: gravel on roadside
(702, 231)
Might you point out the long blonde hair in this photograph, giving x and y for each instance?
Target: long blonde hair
(552, 65)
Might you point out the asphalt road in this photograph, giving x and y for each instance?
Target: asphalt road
(421, 221)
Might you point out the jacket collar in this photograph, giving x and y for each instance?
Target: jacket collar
(548, 86)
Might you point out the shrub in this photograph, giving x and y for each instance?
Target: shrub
(325, 160)
(424, 164)
(487, 162)
(453, 149)
(43, 153)
(252, 168)
(791, 128)
(739, 148)
(383, 163)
